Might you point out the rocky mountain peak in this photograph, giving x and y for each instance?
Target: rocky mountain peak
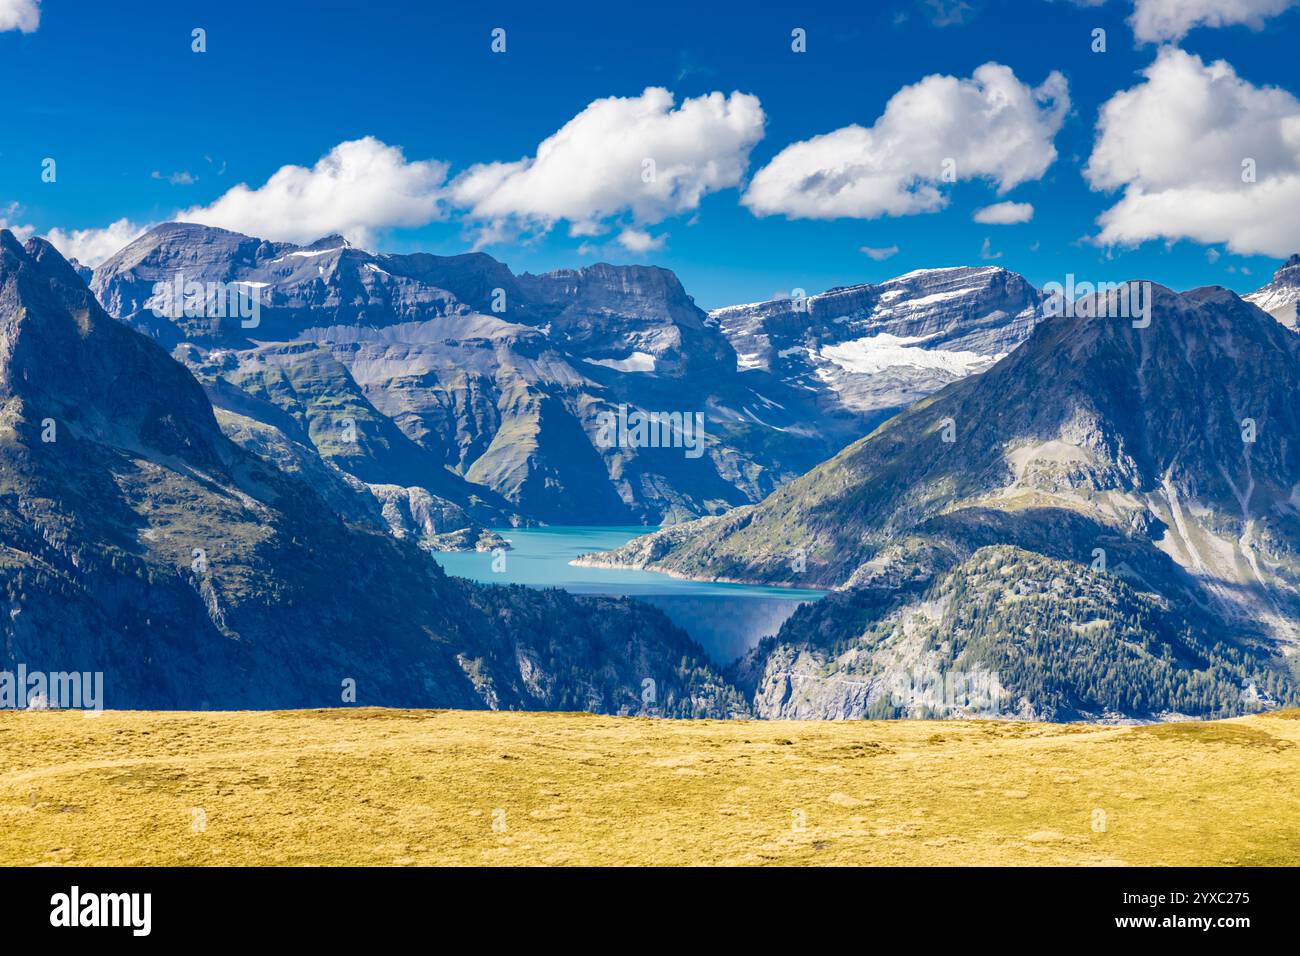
(332, 241)
(1288, 274)
(613, 288)
(85, 271)
(327, 283)
(64, 360)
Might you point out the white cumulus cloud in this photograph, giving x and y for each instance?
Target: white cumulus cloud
(940, 129)
(90, 247)
(639, 159)
(638, 240)
(1182, 144)
(1004, 213)
(22, 231)
(1155, 21)
(21, 15)
(357, 188)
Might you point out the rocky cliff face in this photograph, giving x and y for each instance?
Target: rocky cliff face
(298, 287)
(138, 540)
(599, 313)
(1281, 297)
(1164, 457)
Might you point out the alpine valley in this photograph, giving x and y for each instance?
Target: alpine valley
(1084, 519)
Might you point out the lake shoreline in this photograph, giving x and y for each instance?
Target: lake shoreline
(727, 618)
(581, 562)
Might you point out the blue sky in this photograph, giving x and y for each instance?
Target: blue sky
(114, 94)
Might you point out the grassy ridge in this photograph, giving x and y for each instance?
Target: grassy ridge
(372, 786)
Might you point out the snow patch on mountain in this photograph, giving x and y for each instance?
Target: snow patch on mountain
(1281, 297)
(875, 353)
(870, 349)
(636, 362)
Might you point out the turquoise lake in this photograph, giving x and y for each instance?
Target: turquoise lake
(727, 619)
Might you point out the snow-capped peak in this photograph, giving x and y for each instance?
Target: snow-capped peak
(1281, 297)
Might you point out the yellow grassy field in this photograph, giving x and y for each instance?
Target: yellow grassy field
(374, 786)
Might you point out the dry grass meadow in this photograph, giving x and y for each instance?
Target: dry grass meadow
(392, 787)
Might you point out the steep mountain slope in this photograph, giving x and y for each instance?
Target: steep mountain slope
(1163, 457)
(304, 381)
(872, 349)
(325, 405)
(600, 313)
(136, 539)
(1281, 297)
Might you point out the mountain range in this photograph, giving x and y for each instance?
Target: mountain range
(1107, 520)
(1078, 517)
(474, 396)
